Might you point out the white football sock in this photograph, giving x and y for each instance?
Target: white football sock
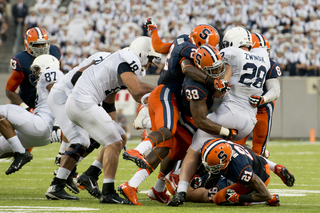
(271, 164)
(160, 185)
(138, 178)
(16, 144)
(145, 145)
(182, 186)
(97, 164)
(108, 180)
(63, 173)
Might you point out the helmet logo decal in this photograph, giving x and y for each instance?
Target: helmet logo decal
(198, 59)
(222, 156)
(204, 34)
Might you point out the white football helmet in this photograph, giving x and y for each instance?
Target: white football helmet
(40, 64)
(237, 37)
(142, 47)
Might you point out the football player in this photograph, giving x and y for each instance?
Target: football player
(249, 173)
(100, 83)
(163, 100)
(37, 43)
(265, 105)
(195, 101)
(72, 133)
(246, 70)
(20, 128)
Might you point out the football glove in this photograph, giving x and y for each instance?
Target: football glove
(222, 85)
(196, 182)
(274, 201)
(56, 135)
(58, 159)
(232, 134)
(150, 25)
(256, 101)
(232, 196)
(212, 180)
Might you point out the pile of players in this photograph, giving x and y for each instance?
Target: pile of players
(213, 169)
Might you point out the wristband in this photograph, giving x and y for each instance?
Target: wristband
(224, 131)
(24, 105)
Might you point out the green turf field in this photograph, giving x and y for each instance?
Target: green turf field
(24, 190)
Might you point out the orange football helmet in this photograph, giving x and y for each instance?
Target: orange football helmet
(37, 42)
(216, 155)
(204, 34)
(209, 60)
(259, 40)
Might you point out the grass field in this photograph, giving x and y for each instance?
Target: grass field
(24, 191)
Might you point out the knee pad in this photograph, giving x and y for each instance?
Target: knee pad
(93, 145)
(77, 152)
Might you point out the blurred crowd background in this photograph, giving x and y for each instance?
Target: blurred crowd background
(82, 27)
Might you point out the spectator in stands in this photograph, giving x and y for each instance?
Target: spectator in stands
(280, 15)
(19, 12)
(31, 20)
(282, 61)
(3, 29)
(297, 62)
(313, 64)
(69, 61)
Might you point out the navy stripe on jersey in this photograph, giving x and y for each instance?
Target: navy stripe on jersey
(188, 126)
(165, 98)
(269, 108)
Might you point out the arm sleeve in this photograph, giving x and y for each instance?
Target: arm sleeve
(75, 77)
(273, 87)
(14, 80)
(157, 43)
(124, 67)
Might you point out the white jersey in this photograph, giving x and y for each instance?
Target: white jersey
(49, 76)
(65, 84)
(249, 71)
(102, 79)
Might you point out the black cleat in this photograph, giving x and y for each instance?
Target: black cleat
(90, 184)
(114, 198)
(288, 176)
(71, 185)
(20, 159)
(57, 192)
(177, 199)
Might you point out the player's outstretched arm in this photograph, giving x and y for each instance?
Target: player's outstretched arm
(136, 87)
